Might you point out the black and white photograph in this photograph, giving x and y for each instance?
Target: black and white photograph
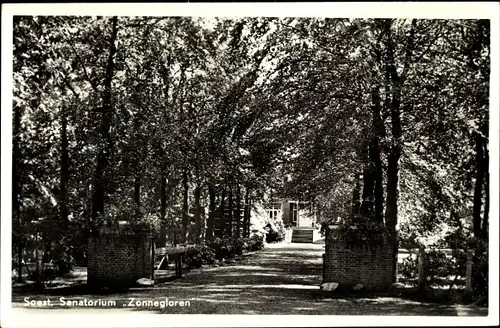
(298, 165)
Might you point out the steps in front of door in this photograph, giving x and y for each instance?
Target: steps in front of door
(302, 235)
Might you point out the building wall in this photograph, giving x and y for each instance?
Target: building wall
(355, 256)
(285, 212)
(261, 212)
(306, 219)
(119, 258)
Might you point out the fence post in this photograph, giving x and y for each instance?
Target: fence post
(468, 276)
(421, 267)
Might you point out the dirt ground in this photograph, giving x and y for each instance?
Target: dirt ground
(282, 279)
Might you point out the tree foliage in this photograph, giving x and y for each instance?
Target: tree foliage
(182, 123)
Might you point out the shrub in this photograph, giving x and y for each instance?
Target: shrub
(59, 255)
(223, 248)
(480, 276)
(274, 235)
(437, 264)
(245, 244)
(256, 243)
(324, 225)
(409, 268)
(238, 246)
(193, 257)
(48, 273)
(56, 261)
(207, 254)
(199, 255)
(253, 244)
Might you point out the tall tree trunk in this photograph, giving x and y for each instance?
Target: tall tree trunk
(100, 183)
(238, 212)
(391, 213)
(17, 190)
(368, 184)
(484, 227)
(164, 194)
(478, 187)
(245, 213)
(162, 240)
(379, 133)
(476, 42)
(185, 208)
(137, 195)
(229, 231)
(64, 178)
(211, 213)
(356, 194)
(222, 209)
(246, 220)
(37, 263)
(249, 215)
(197, 212)
(171, 186)
(137, 166)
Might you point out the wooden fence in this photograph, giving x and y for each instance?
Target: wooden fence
(422, 274)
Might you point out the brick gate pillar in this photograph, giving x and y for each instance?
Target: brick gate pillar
(358, 255)
(119, 256)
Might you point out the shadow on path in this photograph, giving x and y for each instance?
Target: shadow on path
(282, 279)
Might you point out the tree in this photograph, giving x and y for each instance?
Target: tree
(153, 119)
(102, 160)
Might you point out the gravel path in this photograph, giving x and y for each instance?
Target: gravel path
(282, 279)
